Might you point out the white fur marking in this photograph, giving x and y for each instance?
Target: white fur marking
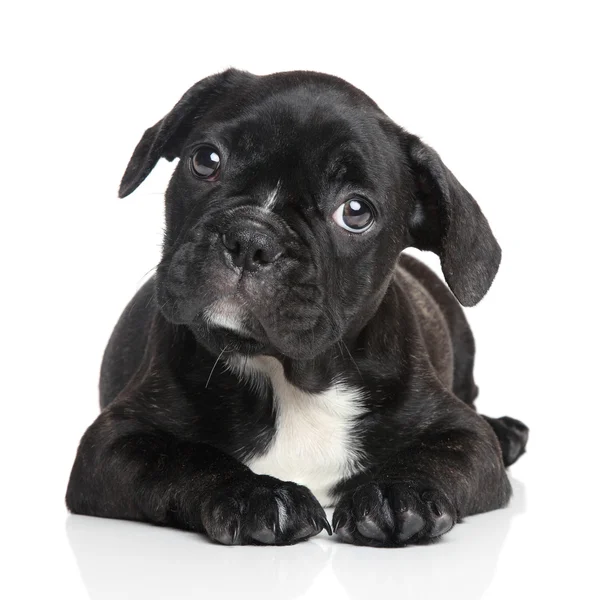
(269, 204)
(314, 442)
(224, 314)
(282, 515)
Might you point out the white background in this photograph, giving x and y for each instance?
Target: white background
(501, 90)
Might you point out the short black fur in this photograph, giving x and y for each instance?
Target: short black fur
(178, 422)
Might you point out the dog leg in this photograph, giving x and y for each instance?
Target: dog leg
(423, 490)
(127, 469)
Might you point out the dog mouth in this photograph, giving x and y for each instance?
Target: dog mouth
(238, 330)
(237, 327)
(233, 342)
(227, 314)
(244, 322)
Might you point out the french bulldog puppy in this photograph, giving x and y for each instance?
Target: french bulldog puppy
(287, 356)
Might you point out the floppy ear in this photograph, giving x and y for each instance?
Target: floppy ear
(448, 221)
(166, 138)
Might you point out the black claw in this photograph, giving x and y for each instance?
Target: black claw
(339, 521)
(435, 509)
(326, 525)
(235, 533)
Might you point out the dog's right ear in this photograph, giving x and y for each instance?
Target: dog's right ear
(166, 138)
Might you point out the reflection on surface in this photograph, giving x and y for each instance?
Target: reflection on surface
(119, 559)
(460, 565)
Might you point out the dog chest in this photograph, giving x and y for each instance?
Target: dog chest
(314, 443)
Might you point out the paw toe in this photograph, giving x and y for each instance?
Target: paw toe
(370, 529)
(264, 536)
(441, 525)
(307, 531)
(345, 535)
(367, 500)
(410, 523)
(227, 535)
(263, 511)
(398, 516)
(513, 437)
(516, 425)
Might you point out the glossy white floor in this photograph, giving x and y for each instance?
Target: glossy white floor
(127, 560)
(155, 563)
(532, 549)
(502, 90)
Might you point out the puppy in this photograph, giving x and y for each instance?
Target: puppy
(286, 356)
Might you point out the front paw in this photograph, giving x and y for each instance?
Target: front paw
(392, 514)
(263, 510)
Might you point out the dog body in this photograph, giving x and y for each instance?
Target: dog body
(287, 355)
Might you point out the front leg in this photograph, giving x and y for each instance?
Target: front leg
(129, 469)
(452, 470)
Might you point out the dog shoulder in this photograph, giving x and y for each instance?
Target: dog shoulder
(432, 308)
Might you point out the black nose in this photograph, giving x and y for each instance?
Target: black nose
(250, 245)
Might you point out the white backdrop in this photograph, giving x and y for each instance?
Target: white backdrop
(503, 90)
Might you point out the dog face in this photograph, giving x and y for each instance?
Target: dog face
(292, 199)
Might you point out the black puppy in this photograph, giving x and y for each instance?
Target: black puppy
(287, 355)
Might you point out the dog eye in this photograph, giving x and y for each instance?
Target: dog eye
(354, 215)
(206, 163)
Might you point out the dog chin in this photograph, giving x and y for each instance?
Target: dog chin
(220, 339)
(227, 326)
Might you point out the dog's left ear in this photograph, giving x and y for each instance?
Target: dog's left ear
(448, 221)
(165, 138)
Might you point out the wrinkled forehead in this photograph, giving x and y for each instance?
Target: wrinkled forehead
(322, 133)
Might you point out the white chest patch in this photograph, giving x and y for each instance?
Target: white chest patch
(314, 443)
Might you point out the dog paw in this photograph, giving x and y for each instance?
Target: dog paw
(263, 510)
(392, 514)
(513, 438)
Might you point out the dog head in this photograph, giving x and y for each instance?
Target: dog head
(292, 199)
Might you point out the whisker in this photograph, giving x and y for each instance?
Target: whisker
(149, 271)
(215, 364)
(352, 359)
